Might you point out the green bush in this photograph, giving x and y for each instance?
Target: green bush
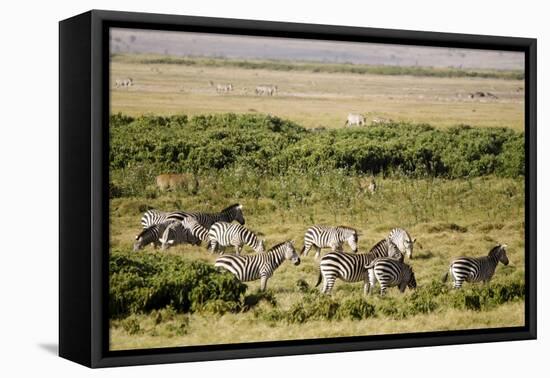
(146, 282)
(260, 145)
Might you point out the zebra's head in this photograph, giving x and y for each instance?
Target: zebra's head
(499, 252)
(290, 252)
(351, 237)
(408, 245)
(260, 246)
(236, 213)
(140, 241)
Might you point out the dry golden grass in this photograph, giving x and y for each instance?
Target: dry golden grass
(316, 99)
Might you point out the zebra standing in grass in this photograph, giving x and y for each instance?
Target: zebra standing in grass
(224, 88)
(268, 90)
(175, 234)
(353, 267)
(355, 120)
(403, 241)
(392, 272)
(223, 234)
(150, 235)
(229, 214)
(260, 266)
(329, 237)
(476, 269)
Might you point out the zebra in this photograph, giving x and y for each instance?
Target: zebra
(124, 82)
(196, 229)
(150, 235)
(392, 272)
(260, 266)
(224, 88)
(268, 90)
(355, 120)
(229, 214)
(353, 267)
(476, 269)
(403, 241)
(224, 234)
(176, 233)
(329, 237)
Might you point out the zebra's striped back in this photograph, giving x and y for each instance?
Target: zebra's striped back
(391, 272)
(403, 241)
(476, 269)
(225, 234)
(329, 237)
(175, 234)
(229, 214)
(196, 228)
(150, 235)
(260, 266)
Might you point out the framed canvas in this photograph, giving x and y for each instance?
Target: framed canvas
(234, 188)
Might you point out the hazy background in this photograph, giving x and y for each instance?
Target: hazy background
(245, 47)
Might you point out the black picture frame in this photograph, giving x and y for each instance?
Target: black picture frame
(83, 182)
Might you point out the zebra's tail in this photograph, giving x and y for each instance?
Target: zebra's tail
(302, 252)
(319, 279)
(445, 276)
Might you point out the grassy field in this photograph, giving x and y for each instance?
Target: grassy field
(457, 190)
(316, 99)
(449, 218)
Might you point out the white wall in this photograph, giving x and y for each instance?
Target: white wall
(28, 148)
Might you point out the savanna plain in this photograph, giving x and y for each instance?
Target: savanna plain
(448, 163)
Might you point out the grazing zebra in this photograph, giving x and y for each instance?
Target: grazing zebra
(476, 269)
(150, 235)
(260, 266)
(403, 241)
(392, 272)
(353, 267)
(224, 234)
(175, 234)
(268, 90)
(224, 88)
(124, 82)
(196, 229)
(229, 214)
(329, 237)
(355, 120)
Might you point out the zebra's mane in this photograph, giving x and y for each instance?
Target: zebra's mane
(494, 250)
(230, 207)
(379, 244)
(401, 230)
(277, 246)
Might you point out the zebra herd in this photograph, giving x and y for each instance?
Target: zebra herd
(260, 90)
(383, 263)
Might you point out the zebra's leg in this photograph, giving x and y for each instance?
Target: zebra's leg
(263, 283)
(317, 252)
(328, 284)
(238, 249)
(383, 289)
(306, 249)
(372, 280)
(213, 246)
(458, 283)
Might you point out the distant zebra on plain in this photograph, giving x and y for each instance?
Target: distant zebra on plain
(175, 234)
(150, 235)
(351, 267)
(223, 234)
(224, 88)
(392, 272)
(329, 237)
(229, 214)
(476, 269)
(403, 241)
(260, 266)
(267, 90)
(355, 120)
(128, 82)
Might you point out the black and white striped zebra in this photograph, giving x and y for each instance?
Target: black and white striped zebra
(476, 269)
(150, 235)
(223, 234)
(392, 272)
(229, 214)
(329, 237)
(260, 266)
(196, 229)
(175, 234)
(352, 267)
(403, 241)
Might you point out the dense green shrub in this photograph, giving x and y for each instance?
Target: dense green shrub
(146, 282)
(149, 145)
